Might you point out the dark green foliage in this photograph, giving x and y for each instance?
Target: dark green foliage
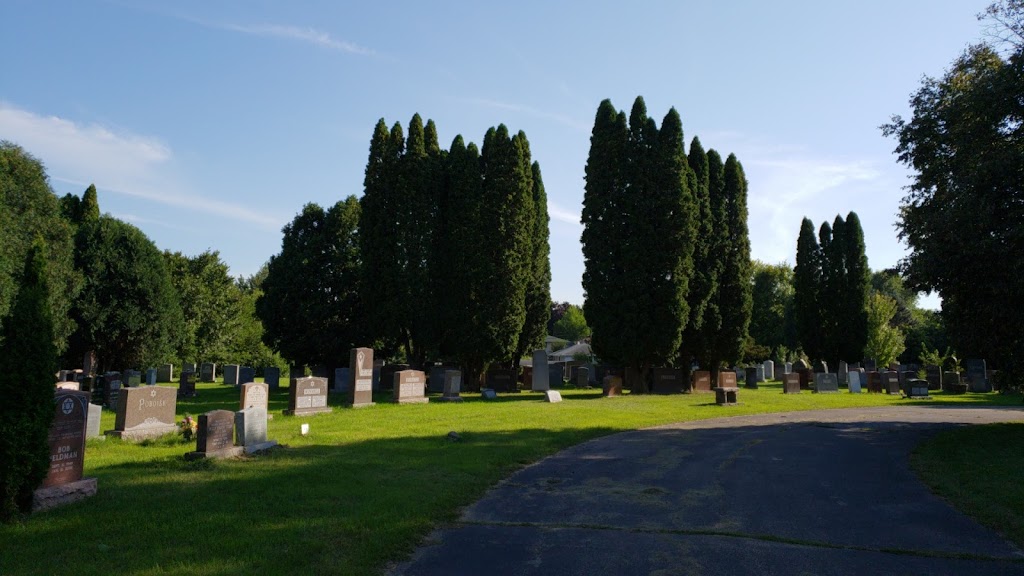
(707, 266)
(771, 320)
(572, 326)
(28, 360)
(28, 207)
(734, 284)
(830, 292)
(90, 206)
(640, 222)
(538, 288)
(209, 301)
(806, 287)
(718, 244)
(310, 306)
(962, 217)
(128, 310)
(855, 293)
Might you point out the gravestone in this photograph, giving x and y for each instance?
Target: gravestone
(307, 395)
(751, 378)
(934, 376)
(251, 430)
(361, 372)
(769, 370)
(556, 374)
(853, 381)
(409, 387)
(725, 396)
(151, 377)
(905, 376)
(190, 367)
(844, 372)
(231, 375)
(452, 386)
(632, 378)
(215, 438)
(254, 395)
(66, 438)
(145, 413)
(89, 363)
(791, 383)
(111, 389)
(375, 378)
(891, 382)
(320, 371)
(187, 384)
(668, 381)
(501, 380)
(73, 386)
(208, 372)
(951, 383)
(552, 396)
(541, 372)
(976, 376)
(272, 377)
(611, 386)
(702, 380)
(826, 382)
(488, 394)
(341, 380)
(874, 381)
(787, 368)
(132, 378)
(165, 373)
(726, 379)
(917, 388)
(387, 375)
(870, 365)
(246, 374)
(759, 371)
(806, 376)
(800, 364)
(435, 380)
(92, 421)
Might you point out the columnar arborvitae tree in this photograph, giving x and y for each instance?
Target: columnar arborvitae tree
(706, 263)
(855, 297)
(734, 287)
(639, 229)
(833, 291)
(28, 360)
(718, 245)
(538, 289)
(806, 284)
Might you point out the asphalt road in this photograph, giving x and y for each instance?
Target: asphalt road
(827, 492)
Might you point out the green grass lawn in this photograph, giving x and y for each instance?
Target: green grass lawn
(359, 491)
(978, 470)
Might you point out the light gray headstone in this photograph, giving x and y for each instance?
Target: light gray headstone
(92, 423)
(769, 370)
(759, 372)
(787, 368)
(553, 396)
(251, 426)
(541, 374)
(151, 377)
(853, 381)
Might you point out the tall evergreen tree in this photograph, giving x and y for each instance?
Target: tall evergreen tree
(28, 360)
(90, 207)
(642, 263)
(735, 300)
(856, 291)
(806, 284)
(538, 289)
(717, 247)
(706, 263)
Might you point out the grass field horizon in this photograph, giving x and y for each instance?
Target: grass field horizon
(359, 491)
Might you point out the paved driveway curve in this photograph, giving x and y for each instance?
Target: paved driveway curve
(823, 492)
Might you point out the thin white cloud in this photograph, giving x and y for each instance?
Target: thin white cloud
(116, 161)
(309, 35)
(529, 111)
(556, 212)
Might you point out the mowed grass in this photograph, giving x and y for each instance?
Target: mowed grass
(360, 491)
(978, 470)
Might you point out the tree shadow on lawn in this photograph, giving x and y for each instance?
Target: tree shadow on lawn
(333, 509)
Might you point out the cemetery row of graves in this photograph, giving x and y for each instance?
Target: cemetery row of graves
(144, 409)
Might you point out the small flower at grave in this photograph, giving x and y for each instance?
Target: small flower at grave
(188, 427)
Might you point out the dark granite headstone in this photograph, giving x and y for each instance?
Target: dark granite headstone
(307, 396)
(891, 382)
(976, 376)
(67, 438)
(165, 373)
(951, 383)
(131, 378)
(360, 390)
(556, 374)
(408, 387)
(272, 377)
(800, 364)
(751, 377)
(582, 377)
(501, 380)
(208, 372)
(870, 365)
(826, 382)
(111, 389)
(917, 388)
(341, 380)
(151, 377)
(187, 384)
(145, 412)
(874, 381)
(452, 386)
(246, 374)
(702, 380)
(435, 383)
(667, 381)
(216, 432)
(190, 366)
(791, 383)
(844, 372)
(231, 375)
(806, 377)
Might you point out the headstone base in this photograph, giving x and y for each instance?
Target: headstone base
(307, 411)
(54, 496)
(226, 453)
(261, 447)
(134, 435)
(955, 388)
(726, 396)
(416, 400)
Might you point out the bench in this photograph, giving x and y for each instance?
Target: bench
(725, 396)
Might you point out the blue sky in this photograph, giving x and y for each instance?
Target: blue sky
(210, 124)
